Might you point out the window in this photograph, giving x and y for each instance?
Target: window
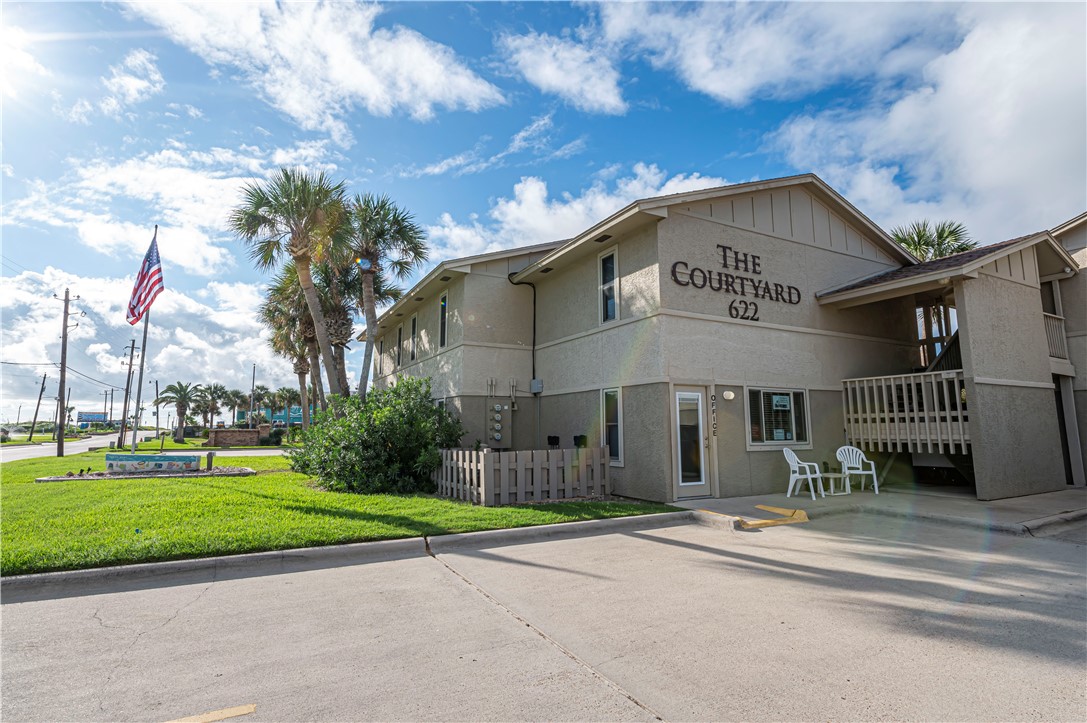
(380, 356)
(414, 342)
(609, 287)
(440, 404)
(443, 319)
(611, 424)
(399, 344)
(777, 417)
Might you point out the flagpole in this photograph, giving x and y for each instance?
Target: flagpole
(139, 386)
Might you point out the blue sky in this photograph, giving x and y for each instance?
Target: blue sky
(498, 125)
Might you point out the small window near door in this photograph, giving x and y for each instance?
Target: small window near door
(611, 424)
(414, 348)
(777, 417)
(380, 356)
(399, 345)
(609, 287)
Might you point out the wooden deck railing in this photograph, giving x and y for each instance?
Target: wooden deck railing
(501, 478)
(1054, 334)
(908, 412)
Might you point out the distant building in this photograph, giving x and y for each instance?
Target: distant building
(699, 334)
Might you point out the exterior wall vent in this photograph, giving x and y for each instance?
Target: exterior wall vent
(444, 278)
(602, 238)
(548, 270)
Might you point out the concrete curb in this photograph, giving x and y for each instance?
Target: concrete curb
(205, 569)
(1061, 518)
(523, 535)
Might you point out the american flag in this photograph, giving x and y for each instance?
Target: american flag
(148, 282)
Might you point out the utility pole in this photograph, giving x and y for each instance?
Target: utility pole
(158, 422)
(110, 418)
(63, 370)
(124, 407)
(105, 393)
(35, 422)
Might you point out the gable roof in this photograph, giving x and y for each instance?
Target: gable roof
(447, 269)
(656, 208)
(937, 272)
(1069, 224)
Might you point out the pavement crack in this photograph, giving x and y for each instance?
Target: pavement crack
(585, 665)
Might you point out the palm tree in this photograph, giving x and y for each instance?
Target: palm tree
(928, 242)
(182, 396)
(286, 295)
(297, 214)
(216, 395)
(235, 399)
(261, 397)
(384, 237)
(286, 341)
(287, 398)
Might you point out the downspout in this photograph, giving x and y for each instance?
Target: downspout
(535, 394)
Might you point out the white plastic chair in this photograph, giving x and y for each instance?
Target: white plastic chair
(801, 472)
(855, 464)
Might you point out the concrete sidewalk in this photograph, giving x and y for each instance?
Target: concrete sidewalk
(1037, 515)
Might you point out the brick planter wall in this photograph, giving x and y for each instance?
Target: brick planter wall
(233, 438)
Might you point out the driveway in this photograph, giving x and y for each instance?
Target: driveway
(848, 617)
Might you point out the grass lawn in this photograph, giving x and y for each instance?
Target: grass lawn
(92, 523)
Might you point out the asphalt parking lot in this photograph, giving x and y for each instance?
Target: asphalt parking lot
(850, 617)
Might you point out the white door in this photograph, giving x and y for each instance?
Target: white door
(691, 444)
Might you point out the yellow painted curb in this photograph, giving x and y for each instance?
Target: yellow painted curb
(217, 715)
(789, 517)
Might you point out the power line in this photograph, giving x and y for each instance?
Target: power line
(97, 381)
(13, 262)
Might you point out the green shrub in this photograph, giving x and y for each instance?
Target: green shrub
(276, 436)
(264, 441)
(389, 444)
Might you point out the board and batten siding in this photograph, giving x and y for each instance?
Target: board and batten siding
(793, 214)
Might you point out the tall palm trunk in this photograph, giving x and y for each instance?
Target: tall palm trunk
(369, 308)
(315, 375)
(305, 280)
(305, 399)
(341, 370)
(179, 433)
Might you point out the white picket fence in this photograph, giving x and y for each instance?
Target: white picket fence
(501, 478)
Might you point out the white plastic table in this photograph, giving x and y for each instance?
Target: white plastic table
(843, 479)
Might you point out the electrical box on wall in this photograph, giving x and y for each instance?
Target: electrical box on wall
(499, 423)
(535, 386)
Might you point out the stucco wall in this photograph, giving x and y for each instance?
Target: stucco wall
(1015, 438)
(568, 297)
(646, 470)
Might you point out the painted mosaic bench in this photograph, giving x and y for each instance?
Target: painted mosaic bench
(148, 463)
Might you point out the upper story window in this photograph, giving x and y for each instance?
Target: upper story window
(609, 286)
(399, 345)
(413, 349)
(777, 417)
(443, 319)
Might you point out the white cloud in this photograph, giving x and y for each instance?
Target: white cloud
(136, 79)
(584, 76)
(993, 137)
(533, 216)
(535, 140)
(16, 61)
(316, 84)
(191, 341)
(189, 193)
(734, 52)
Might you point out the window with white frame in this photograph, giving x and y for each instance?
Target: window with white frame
(611, 423)
(399, 345)
(413, 349)
(777, 416)
(443, 320)
(609, 286)
(380, 356)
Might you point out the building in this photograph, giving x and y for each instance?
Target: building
(699, 334)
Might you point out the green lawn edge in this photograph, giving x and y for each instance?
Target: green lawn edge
(81, 524)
